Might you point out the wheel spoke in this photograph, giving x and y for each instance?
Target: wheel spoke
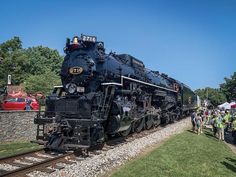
(149, 122)
(139, 125)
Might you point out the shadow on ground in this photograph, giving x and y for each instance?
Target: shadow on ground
(228, 136)
(210, 135)
(230, 164)
(191, 131)
(231, 160)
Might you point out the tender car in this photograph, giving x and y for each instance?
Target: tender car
(19, 104)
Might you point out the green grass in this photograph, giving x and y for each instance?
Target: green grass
(9, 149)
(184, 155)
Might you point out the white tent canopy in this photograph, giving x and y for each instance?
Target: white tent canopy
(226, 105)
(229, 105)
(223, 105)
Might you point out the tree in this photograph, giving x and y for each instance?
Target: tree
(10, 46)
(26, 64)
(229, 87)
(13, 61)
(42, 59)
(215, 96)
(44, 70)
(42, 83)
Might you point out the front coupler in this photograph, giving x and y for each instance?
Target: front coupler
(68, 134)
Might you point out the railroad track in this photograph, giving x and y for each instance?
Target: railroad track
(22, 164)
(119, 140)
(38, 160)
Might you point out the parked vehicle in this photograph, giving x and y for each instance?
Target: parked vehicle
(19, 104)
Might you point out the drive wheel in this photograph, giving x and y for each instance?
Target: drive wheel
(157, 120)
(149, 122)
(138, 125)
(126, 132)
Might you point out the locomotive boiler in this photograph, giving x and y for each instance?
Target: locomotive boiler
(107, 94)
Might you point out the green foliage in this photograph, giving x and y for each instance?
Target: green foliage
(184, 155)
(215, 96)
(37, 67)
(13, 62)
(42, 82)
(42, 58)
(10, 46)
(229, 87)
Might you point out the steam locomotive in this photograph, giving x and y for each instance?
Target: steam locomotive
(107, 94)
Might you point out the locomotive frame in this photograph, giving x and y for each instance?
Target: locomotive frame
(107, 94)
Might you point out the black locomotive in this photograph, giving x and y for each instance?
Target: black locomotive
(107, 94)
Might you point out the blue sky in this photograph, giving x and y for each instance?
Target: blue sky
(193, 41)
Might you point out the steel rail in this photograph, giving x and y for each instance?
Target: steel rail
(7, 158)
(34, 166)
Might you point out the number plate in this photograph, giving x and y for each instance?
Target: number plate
(88, 38)
(80, 89)
(76, 70)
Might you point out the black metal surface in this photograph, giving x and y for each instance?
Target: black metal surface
(105, 94)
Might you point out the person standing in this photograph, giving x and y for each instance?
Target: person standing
(206, 117)
(220, 127)
(28, 103)
(234, 129)
(214, 124)
(193, 120)
(209, 119)
(227, 118)
(199, 123)
(210, 112)
(203, 122)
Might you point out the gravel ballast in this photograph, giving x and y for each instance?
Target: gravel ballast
(106, 161)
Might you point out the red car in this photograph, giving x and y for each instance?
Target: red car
(19, 104)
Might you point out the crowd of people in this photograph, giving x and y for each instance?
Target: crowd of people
(221, 122)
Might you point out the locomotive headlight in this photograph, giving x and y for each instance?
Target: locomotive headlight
(71, 88)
